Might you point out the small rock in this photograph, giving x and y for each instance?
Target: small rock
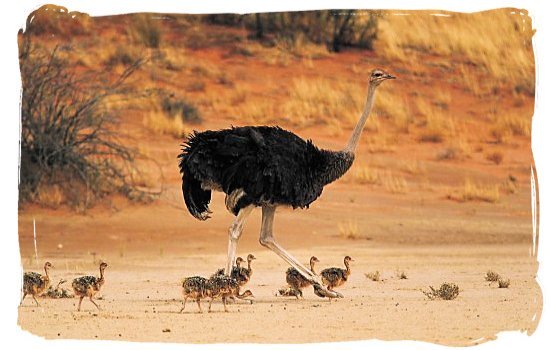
(166, 330)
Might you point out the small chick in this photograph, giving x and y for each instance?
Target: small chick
(224, 286)
(195, 288)
(35, 284)
(234, 272)
(335, 276)
(297, 281)
(88, 286)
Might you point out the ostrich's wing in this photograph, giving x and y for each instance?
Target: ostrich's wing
(32, 278)
(269, 164)
(333, 274)
(81, 284)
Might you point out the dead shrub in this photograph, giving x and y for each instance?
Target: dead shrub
(492, 276)
(447, 291)
(69, 142)
(373, 276)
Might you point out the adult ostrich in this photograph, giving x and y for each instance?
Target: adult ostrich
(264, 166)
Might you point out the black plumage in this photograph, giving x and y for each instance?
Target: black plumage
(270, 165)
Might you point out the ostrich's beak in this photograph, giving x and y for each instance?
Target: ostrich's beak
(389, 76)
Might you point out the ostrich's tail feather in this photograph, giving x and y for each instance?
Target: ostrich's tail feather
(196, 198)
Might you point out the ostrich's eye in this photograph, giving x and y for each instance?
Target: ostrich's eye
(378, 74)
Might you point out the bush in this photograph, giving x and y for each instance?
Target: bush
(333, 28)
(447, 291)
(179, 107)
(68, 142)
(145, 30)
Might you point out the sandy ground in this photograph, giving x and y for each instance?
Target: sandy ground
(150, 248)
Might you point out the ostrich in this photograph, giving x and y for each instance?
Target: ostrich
(263, 166)
(335, 276)
(297, 281)
(35, 284)
(88, 286)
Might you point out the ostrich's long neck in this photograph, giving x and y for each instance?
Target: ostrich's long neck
(338, 162)
(249, 268)
(348, 270)
(312, 265)
(46, 272)
(101, 273)
(354, 139)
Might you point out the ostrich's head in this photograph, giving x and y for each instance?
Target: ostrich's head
(103, 265)
(239, 261)
(347, 259)
(313, 260)
(250, 257)
(48, 265)
(377, 76)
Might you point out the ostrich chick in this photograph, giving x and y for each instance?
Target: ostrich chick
(234, 272)
(88, 286)
(224, 286)
(335, 276)
(244, 273)
(297, 281)
(195, 288)
(35, 284)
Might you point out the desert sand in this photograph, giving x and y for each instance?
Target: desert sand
(150, 249)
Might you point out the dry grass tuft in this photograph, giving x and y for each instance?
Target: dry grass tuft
(392, 107)
(447, 291)
(318, 100)
(476, 192)
(365, 175)
(408, 37)
(349, 230)
(145, 30)
(373, 276)
(492, 276)
(394, 183)
(401, 275)
(503, 283)
(50, 195)
(437, 126)
(162, 124)
(413, 167)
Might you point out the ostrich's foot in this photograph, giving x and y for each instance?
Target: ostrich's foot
(323, 292)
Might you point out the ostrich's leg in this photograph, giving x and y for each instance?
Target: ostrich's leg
(267, 240)
(80, 303)
(93, 302)
(36, 301)
(23, 298)
(235, 232)
(199, 304)
(184, 302)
